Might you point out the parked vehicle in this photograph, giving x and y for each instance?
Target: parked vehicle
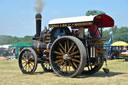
(65, 48)
(125, 55)
(114, 52)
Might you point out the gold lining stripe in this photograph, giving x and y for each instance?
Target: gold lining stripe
(38, 18)
(72, 24)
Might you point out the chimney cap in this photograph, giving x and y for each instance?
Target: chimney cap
(38, 15)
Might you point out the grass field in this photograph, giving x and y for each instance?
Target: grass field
(10, 74)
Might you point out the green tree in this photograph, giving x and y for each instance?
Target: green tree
(13, 40)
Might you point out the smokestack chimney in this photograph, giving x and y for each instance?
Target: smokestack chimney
(38, 25)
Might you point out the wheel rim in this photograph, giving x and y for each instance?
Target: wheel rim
(91, 69)
(65, 57)
(27, 62)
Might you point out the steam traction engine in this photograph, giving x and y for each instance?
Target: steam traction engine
(66, 48)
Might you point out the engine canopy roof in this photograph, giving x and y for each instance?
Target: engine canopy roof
(101, 21)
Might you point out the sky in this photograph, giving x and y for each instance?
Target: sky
(17, 17)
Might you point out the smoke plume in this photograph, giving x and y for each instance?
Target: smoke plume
(39, 6)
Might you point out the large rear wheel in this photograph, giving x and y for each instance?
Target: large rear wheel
(68, 56)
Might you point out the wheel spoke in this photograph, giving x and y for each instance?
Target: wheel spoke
(61, 51)
(75, 60)
(76, 56)
(56, 52)
(27, 67)
(32, 64)
(72, 65)
(65, 47)
(59, 56)
(70, 48)
(46, 65)
(30, 67)
(74, 53)
(24, 62)
(89, 68)
(63, 66)
(24, 58)
(60, 60)
(26, 55)
(67, 44)
(49, 65)
(30, 56)
(74, 49)
(69, 65)
(66, 66)
(62, 47)
(61, 63)
(32, 61)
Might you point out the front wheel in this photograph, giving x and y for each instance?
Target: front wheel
(28, 61)
(68, 56)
